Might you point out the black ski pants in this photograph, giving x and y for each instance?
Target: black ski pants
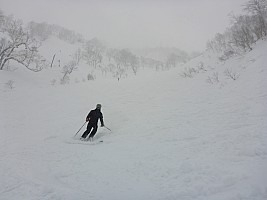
(88, 130)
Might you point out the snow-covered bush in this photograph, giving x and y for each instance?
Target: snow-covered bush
(226, 55)
(65, 80)
(10, 84)
(201, 67)
(67, 70)
(188, 72)
(90, 77)
(232, 75)
(214, 78)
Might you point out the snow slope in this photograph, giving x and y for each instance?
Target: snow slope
(172, 138)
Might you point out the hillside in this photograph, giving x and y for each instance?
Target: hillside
(172, 137)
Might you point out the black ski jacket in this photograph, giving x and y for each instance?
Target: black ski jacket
(93, 117)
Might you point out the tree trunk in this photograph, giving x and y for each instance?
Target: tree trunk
(53, 60)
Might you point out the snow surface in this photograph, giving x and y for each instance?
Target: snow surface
(172, 137)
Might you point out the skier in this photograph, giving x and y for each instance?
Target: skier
(92, 119)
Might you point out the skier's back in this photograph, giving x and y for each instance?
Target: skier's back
(92, 119)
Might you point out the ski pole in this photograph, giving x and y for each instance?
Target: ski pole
(80, 129)
(107, 128)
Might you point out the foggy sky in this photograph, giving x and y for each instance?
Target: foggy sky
(185, 24)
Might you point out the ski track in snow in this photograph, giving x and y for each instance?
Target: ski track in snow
(171, 138)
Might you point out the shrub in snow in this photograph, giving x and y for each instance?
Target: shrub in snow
(68, 69)
(65, 80)
(214, 78)
(201, 67)
(226, 55)
(188, 72)
(232, 75)
(10, 84)
(191, 71)
(90, 77)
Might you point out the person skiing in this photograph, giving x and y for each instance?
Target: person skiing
(92, 119)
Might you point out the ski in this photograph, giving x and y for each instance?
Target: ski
(85, 142)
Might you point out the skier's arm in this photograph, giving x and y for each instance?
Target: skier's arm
(101, 120)
(88, 116)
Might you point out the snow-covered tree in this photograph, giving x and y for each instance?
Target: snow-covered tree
(92, 52)
(67, 70)
(126, 59)
(258, 8)
(17, 45)
(244, 32)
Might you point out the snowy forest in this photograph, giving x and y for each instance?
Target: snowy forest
(21, 44)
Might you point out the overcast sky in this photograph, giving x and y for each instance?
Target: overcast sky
(186, 24)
